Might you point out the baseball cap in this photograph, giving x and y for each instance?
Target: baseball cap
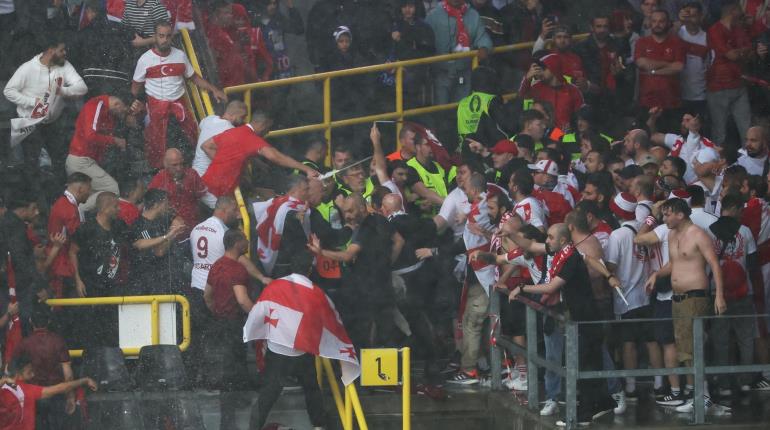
(707, 155)
(631, 171)
(505, 146)
(545, 166)
(624, 206)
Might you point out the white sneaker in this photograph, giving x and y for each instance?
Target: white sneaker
(508, 382)
(620, 398)
(550, 408)
(519, 384)
(689, 407)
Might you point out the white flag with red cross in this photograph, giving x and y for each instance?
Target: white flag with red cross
(295, 313)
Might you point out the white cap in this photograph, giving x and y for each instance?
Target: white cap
(707, 155)
(545, 166)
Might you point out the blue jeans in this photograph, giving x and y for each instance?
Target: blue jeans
(554, 351)
(450, 84)
(613, 384)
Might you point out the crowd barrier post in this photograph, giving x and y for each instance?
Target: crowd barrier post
(572, 361)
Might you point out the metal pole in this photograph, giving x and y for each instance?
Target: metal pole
(495, 353)
(699, 401)
(400, 105)
(573, 363)
(406, 387)
(359, 412)
(247, 100)
(155, 322)
(348, 410)
(328, 119)
(533, 395)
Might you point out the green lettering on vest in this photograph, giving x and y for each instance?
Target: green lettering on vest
(469, 112)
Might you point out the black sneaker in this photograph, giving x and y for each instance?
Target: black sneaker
(632, 396)
(661, 392)
(761, 385)
(671, 400)
(464, 378)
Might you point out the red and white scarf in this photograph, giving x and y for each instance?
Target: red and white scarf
(271, 218)
(463, 39)
(557, 263)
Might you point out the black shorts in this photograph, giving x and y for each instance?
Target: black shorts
(664, 330)
(513, 317)
(636, 332)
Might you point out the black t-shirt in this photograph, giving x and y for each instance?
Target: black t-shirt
(370, 272)
(150, 273)
(100, 255)
(577, 293)
(417, 233)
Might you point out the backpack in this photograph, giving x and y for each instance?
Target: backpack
(556, 205)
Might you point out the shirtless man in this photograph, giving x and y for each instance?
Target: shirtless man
(690, 249)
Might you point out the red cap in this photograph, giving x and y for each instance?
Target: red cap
(553, 63)
(624, 206)
(505, 146)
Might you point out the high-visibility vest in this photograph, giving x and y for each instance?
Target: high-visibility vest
(310, 164)
(572, 138)
(469, 112)
(432, 181)
(367, 191)
(326, 267)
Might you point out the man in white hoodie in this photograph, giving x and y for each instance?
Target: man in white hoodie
(39, 88)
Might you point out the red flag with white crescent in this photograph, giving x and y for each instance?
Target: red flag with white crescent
(13, 334)
(294, 313)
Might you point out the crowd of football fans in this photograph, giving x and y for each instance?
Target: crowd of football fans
(660, 113)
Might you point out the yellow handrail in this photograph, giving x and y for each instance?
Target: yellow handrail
(153, 301)
(349, 406)
(187, 42)
(328, 124)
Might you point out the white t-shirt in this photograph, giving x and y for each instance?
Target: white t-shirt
(662, 252)
(687, 149)
(713, 205)
(643, 210)
(517, 258)
(693, 75)
(743, 246)
(754, 166)
(630, 260)
(210, 126)
(456, 202)
(531, 211)
(207, 244)
(163, 76)
(703, 219)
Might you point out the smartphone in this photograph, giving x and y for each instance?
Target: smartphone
(553, 18)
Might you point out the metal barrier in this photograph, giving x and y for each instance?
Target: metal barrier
(572, 373)
(154, 301)
(328, 124)
(199, 97)
(351, 403)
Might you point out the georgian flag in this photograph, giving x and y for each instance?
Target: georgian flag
(479, 214)
(271, 217)
(295, 313)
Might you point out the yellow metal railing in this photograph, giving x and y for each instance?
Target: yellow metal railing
(153, 301)
(347, 407)
(200, 98)
(399, 114)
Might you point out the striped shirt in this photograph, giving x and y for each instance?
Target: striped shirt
(143, 18)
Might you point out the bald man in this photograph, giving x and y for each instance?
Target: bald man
(754, 155)
(367, 300)
(568, 275)
(212, 125)
(417, 276)
(184, 187)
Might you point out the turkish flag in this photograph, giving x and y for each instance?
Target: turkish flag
(13, 336)
(294, 313)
